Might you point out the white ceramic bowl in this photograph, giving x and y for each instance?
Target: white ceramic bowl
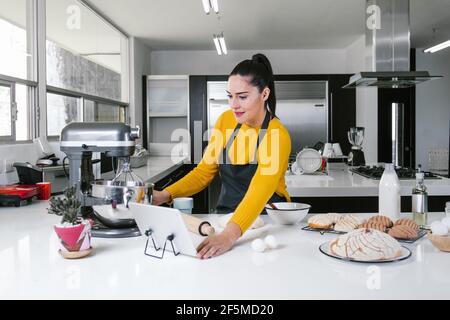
(288, 212)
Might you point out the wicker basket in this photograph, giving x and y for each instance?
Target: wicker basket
(440, 242)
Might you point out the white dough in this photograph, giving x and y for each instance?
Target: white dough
(439, 229)
(271, 242)
(446, 221)
(258, 245)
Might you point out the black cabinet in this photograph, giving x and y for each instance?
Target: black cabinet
(199, 198)
(342, 110)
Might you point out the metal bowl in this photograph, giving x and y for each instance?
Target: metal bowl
(118, 197)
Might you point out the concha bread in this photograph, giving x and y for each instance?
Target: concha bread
(373, 225)
(383, 220)
(335, 217)
(366, 245)
(320, 221)
(403, 232)
(407, 222)
(347, 223)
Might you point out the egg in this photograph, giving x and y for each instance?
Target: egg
(438, 228)
(258, 245)
(446, 221)
(271, 242)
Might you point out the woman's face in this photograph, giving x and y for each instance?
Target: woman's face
(245, 100)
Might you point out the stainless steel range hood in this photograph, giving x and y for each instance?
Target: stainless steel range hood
(388, 48)
(396, 79)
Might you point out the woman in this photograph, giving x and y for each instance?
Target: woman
(249, 148)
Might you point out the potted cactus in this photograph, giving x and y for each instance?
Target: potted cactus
(74, 233)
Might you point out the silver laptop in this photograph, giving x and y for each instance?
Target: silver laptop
(163, 222)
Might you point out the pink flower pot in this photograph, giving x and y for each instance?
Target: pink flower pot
(74, 238)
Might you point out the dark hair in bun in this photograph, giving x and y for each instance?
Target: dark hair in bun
(261, 74)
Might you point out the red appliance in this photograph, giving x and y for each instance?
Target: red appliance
(17, 193)
(26, 189)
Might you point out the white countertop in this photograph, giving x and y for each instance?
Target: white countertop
(343, 183)
(31, 268)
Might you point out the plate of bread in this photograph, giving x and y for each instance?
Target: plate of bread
(366, 246)
(404, 230)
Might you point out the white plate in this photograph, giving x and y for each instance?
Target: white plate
(309, 160)
(325, 249)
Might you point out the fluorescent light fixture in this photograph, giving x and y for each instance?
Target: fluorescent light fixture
(206, 6)
(438, 47)
(222, 44)
(215, 5)
(219, 42)
(218, 48)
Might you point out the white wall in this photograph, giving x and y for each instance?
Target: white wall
(432, 105)
(140, 65)
(16, 153)
(355, 56)
(283, 61)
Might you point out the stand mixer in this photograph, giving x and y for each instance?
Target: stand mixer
(79, 141)
(356, 138)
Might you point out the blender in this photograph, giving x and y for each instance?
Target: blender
(356, 155)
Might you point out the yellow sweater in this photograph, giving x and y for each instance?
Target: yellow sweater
(273, 156)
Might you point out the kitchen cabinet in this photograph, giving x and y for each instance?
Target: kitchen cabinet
(166, 101)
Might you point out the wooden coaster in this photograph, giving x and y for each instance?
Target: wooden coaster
(75, 254)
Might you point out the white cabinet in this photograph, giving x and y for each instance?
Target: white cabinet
(167, 111)
(167, 96)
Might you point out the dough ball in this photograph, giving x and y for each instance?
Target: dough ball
(271, 242)
(258, 245)
(439, 229)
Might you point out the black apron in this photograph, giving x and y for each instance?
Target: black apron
(236, 178)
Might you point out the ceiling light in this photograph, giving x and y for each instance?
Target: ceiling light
(217, 44)
(206, 6)
(215, 5)
(222, 44)
(438, 47)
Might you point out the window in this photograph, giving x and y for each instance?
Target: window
(84, 53)
(87, 63)
(17, 75)
(61, 110)
(99, 112)
(6, 111)
(16, 54)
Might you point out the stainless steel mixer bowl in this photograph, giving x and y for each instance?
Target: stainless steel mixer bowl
(114, 195)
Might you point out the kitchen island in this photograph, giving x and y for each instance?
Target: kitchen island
(31, 268)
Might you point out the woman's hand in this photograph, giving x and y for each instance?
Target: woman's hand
(160, 197)
(216, 245)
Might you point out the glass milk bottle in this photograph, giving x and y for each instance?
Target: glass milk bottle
(389, 193)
